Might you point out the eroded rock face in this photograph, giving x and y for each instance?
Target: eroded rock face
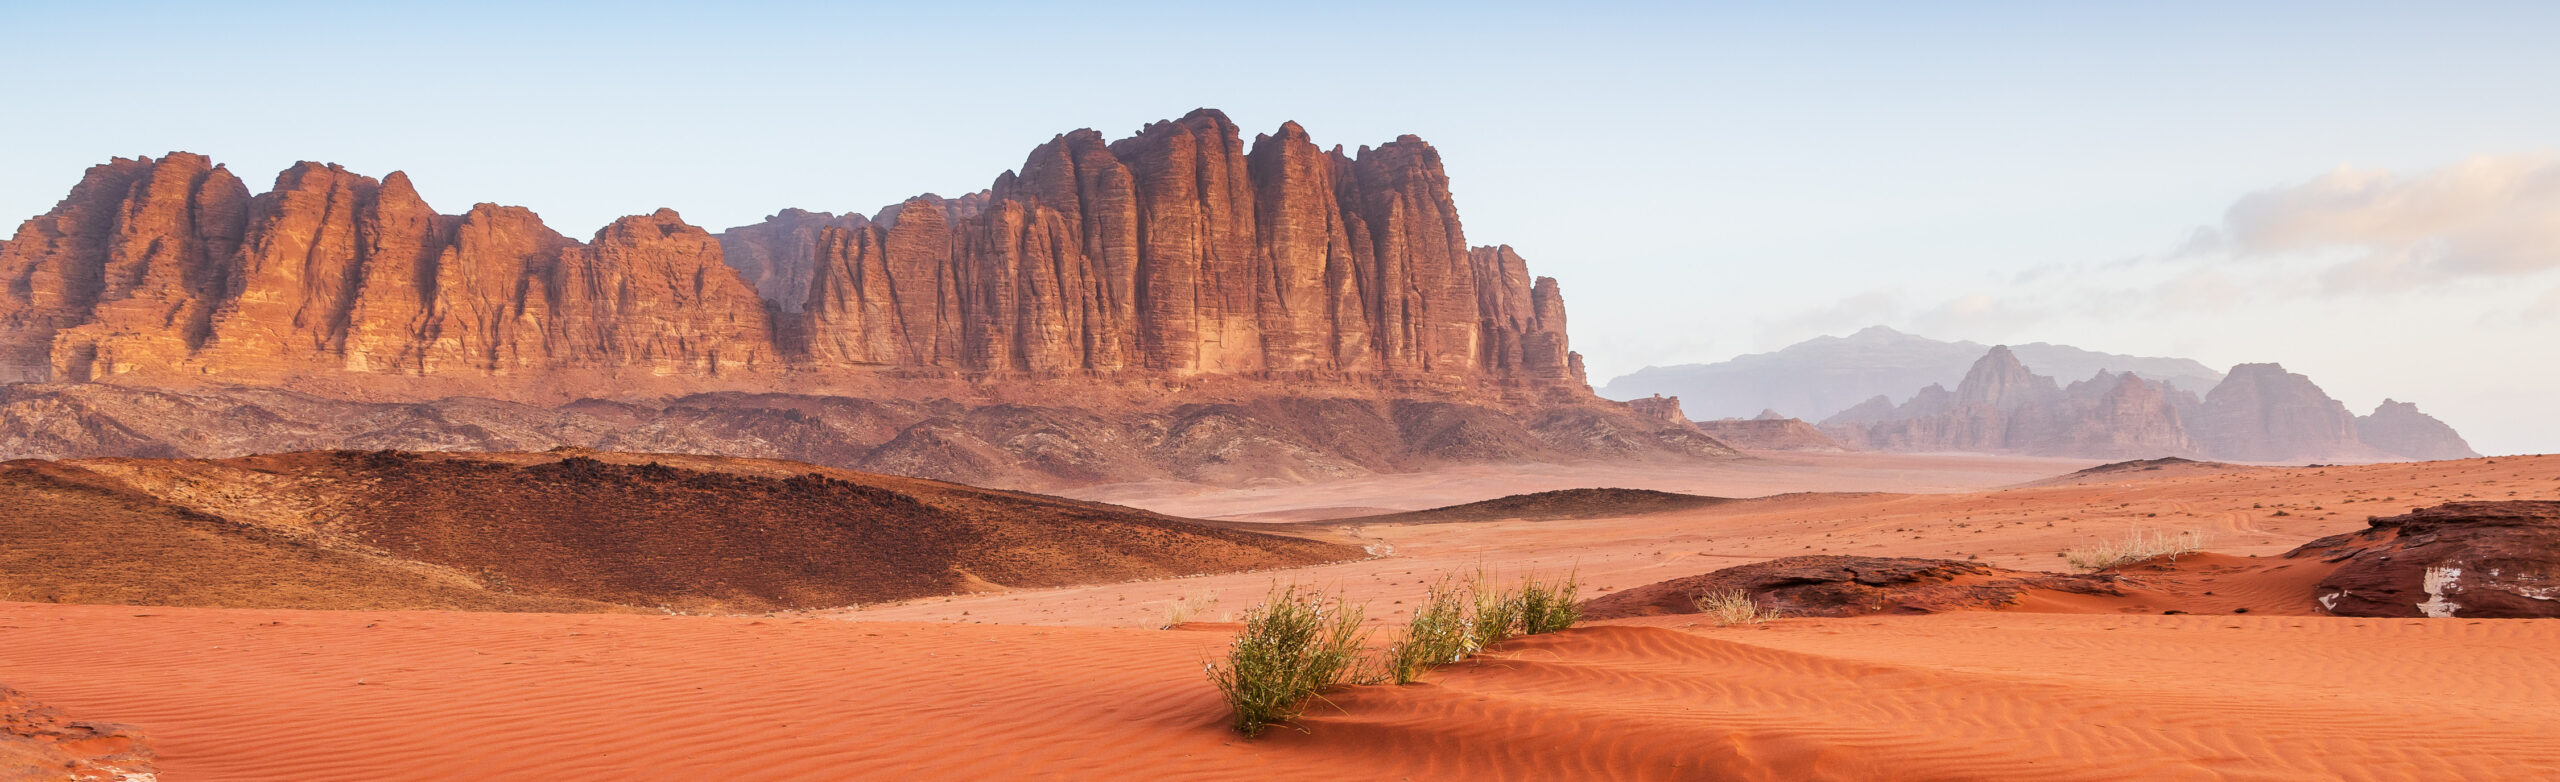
(2467, 559)
(1180, 252)
(2398, 427)
(2003, 407)
(1827, 585)
(2261, 413)
(38, 743)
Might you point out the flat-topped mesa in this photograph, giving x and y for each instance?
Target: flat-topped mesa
(1179, 253)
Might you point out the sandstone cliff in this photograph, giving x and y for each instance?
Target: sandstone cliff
(2398, 427)
(2261, 413)
(1180, 252)
(1176, 304)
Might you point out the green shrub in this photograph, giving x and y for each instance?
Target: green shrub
(1293, 646)
(1546, 607)
(1497, 613)
(1437, 635)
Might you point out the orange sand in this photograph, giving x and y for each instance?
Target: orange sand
(288, 695)
(976, 687)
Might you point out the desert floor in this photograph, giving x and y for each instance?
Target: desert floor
(1076, 683)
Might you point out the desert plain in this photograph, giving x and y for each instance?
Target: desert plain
(2217, 665)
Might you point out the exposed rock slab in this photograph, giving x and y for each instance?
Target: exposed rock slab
(2467, 559)
(38, 743)
(1829, 585)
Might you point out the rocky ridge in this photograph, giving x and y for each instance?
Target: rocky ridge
(1179, 252)
(2258, 413)
(1179, 303)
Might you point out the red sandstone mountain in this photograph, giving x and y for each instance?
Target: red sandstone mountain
(1125, 289)
(1179, 252)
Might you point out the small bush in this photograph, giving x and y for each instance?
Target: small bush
(1546, 607)
(1732, 607)
(1294, 645)
(1497, 614)
(1188, 607)
(1438, 634)
(2136, 547)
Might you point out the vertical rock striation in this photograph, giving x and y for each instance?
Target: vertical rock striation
(1180, 252)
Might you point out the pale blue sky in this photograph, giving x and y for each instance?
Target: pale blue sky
(1705, 181)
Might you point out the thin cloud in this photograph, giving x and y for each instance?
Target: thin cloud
(2377, 231)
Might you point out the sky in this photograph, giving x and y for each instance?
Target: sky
(2367, 193)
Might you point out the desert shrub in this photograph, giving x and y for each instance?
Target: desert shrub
(2136, 547)
(1548, 606)
(1294, 645)
(1188, 607)
(1438, 633)
(1733, 606)
(1497, 613)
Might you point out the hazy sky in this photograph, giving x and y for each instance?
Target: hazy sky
(2367, 193)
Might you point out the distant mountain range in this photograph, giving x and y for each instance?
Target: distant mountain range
(2260, 413)
(2040, 399)
(1820, 377)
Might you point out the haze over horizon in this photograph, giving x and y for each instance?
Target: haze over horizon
(2365, 193)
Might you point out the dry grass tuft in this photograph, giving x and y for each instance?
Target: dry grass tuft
(1188, 607)
(2135, 548)
(1732, 607)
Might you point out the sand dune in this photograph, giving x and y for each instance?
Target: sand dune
(264, 694)
(567, 532)
(1066, 683)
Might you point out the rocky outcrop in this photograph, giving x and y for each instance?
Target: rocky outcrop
(1180, 252)
(2466, 559)
(2398, 428)
(2261, 413)
(1052, 438)
(1770, 434)
(38, 743)
(1827, 585)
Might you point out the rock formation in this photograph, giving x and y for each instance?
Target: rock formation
(2003, 407)
(1770, 434)
(1134, 280)
(1180, 252)
(1831, 585)
(2467, 559)
(38, 743)
(2398, 428)
(2259, 413)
